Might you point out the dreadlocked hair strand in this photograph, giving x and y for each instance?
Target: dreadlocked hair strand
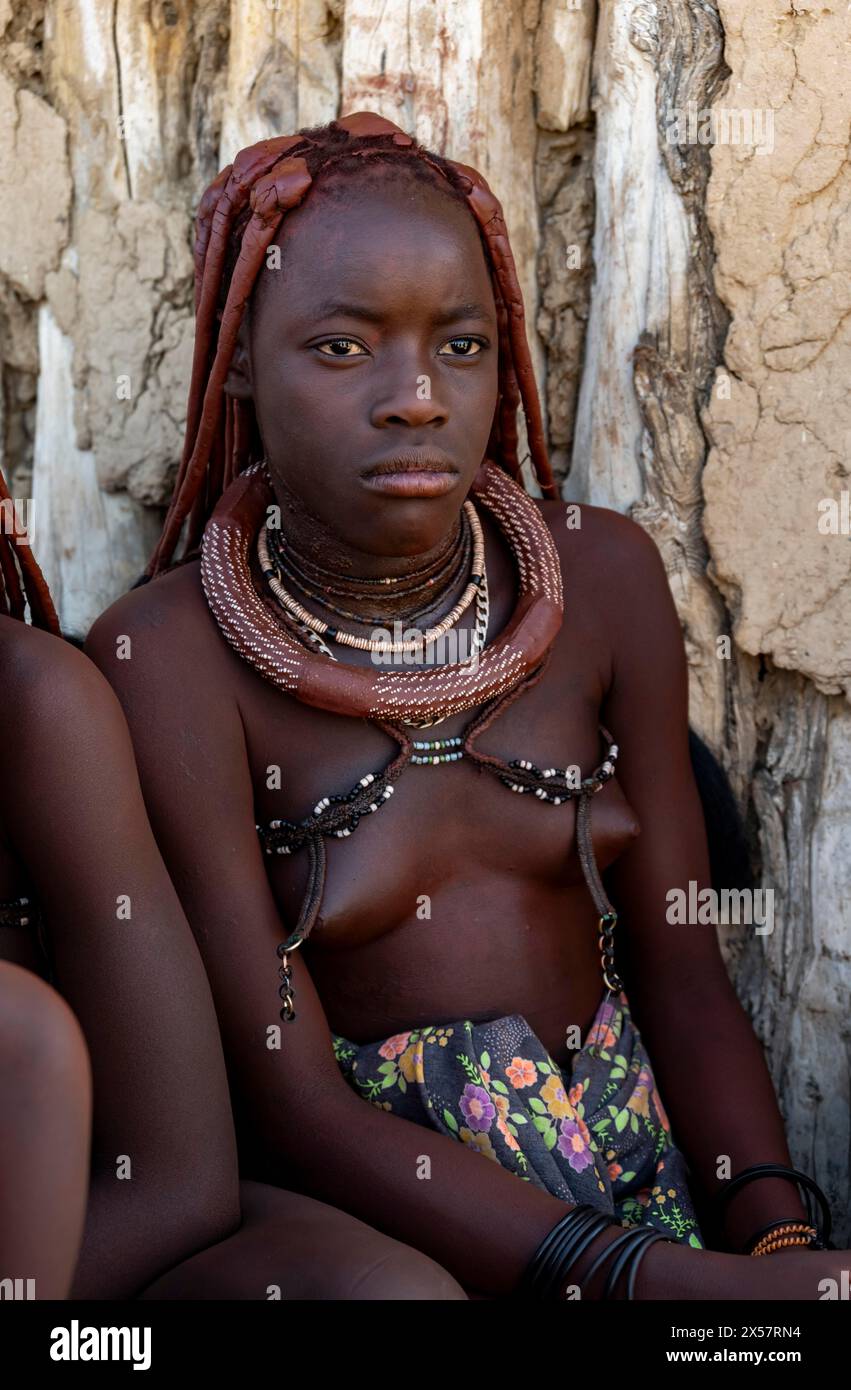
(21, 580)
(238, 218)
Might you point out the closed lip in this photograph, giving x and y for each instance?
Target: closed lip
(410, 461)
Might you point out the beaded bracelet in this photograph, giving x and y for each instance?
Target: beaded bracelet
(820, 1239)
(779, 1235)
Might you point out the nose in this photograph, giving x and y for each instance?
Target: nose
(410, 397)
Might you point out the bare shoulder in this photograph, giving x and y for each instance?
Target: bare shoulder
(64, 725)
(43, 677)
(608, 557)
(598, 536)
(161, 635)
(169, 608)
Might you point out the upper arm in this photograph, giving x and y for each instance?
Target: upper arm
(646, 708)
(190, 748)
(123, 953)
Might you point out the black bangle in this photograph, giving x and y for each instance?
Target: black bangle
(540, 1264)
(779, 1170)
(567, 1249)
(633, 1273)
(632, 1247)
(551, 1262)
(568, 1240)
(624, 1243)
(578, 1249)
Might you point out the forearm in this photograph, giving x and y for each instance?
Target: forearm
(481, 1222)
(712, 1076)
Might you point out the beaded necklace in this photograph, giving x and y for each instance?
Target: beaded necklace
(476, 588)
(325, 585)
(271, 642)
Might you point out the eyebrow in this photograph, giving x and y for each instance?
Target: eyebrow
(331, 307)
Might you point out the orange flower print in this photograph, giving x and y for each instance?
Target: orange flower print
(576, 1093)
(521, 1072)
(660, 1111)
(393, 1046)
(555, 1098)
(615, 1170)
(501, 1103)
(600, 1035)
(506, 1134)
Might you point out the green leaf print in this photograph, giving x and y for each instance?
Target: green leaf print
(470, 1068)
(550, 1138)
(387, 1067)
(519, 1119)
(601, 1126)
(450, 1120)
(537, 1105)
(388, 1082)
(544, 1067)
(485, 1060)
(500, 1086)
(621, 1120)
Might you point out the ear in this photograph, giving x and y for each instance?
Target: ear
(238, 380)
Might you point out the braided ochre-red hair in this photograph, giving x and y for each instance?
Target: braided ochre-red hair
(21, 580)
(238, 218)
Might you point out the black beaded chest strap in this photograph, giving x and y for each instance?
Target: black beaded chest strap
(339, 816)
(16, 912)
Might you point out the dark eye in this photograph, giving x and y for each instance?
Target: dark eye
(336, 342)
(476, 342)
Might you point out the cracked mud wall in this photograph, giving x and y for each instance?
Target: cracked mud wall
(713, 408)
(778, 420)
(688, 310)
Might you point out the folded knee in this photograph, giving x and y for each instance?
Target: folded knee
(40, 1037)
(401, 1273)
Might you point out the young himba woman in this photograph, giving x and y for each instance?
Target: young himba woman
(409, 985)
(86, 900)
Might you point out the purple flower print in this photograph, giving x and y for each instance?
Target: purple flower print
(477, 1107)
(573, 1145)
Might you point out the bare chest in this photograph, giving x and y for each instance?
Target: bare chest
(457, 895)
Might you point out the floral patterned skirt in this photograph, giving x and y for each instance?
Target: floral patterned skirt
(596, 1133)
